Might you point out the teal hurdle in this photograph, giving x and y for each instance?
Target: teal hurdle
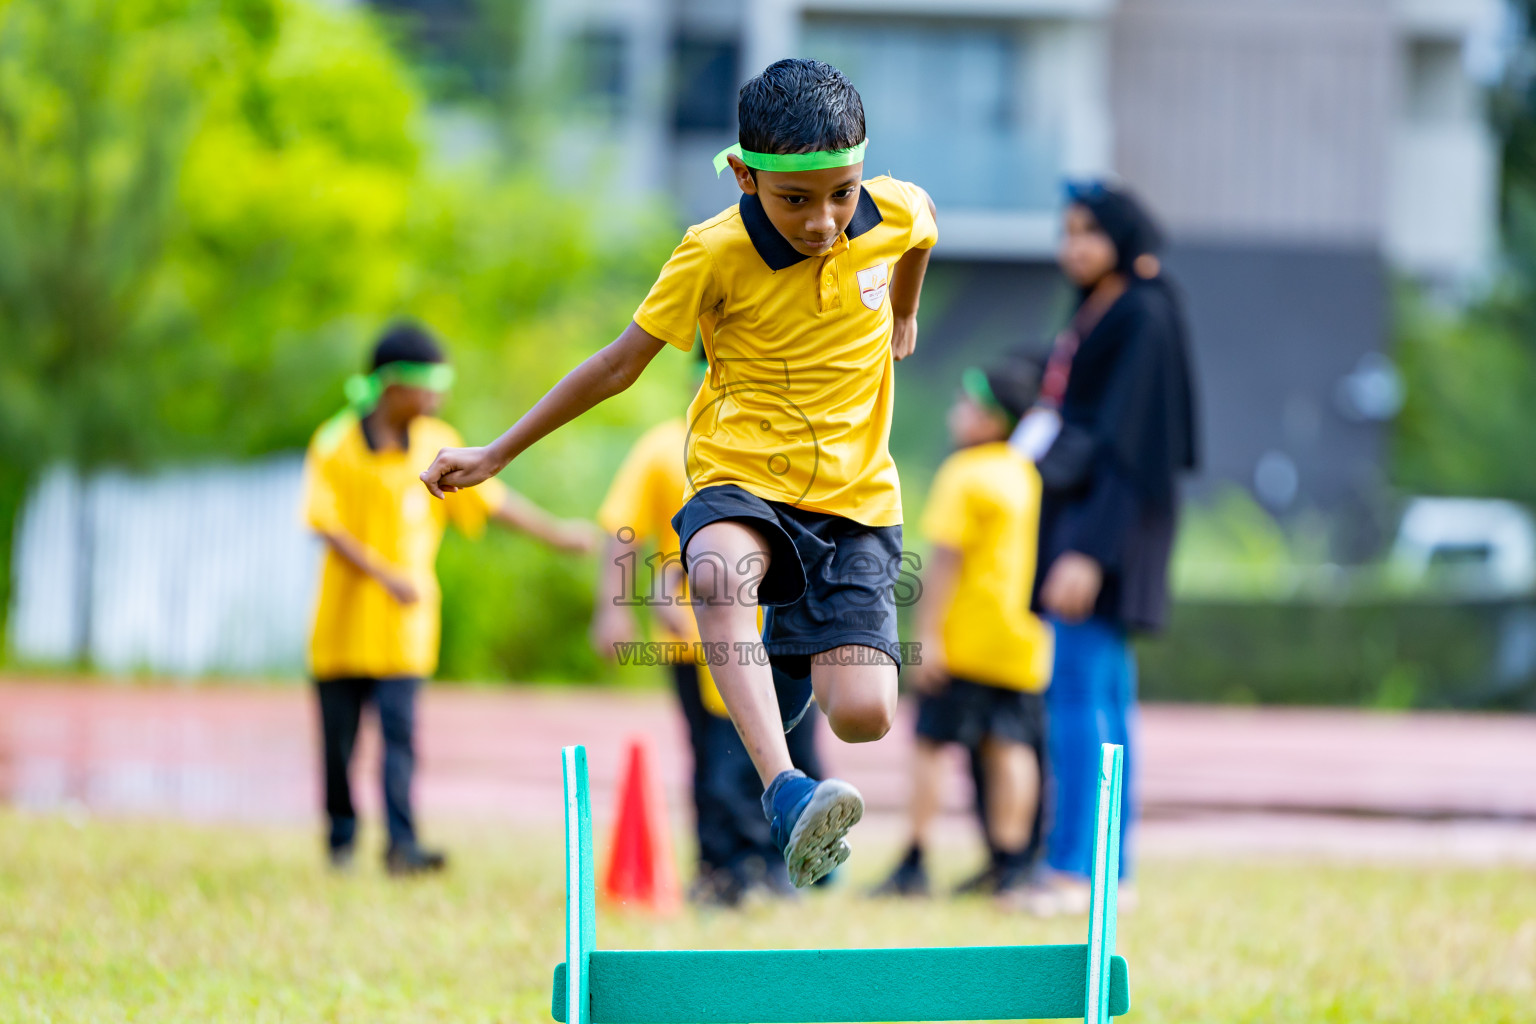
(745, 987)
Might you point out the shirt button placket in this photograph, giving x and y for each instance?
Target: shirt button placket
(831, 296)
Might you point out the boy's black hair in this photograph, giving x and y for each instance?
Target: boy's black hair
(800, 106)
(1015, 383)
(406, 341)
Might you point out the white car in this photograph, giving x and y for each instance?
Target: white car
(1485, 545)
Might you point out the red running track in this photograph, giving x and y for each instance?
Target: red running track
(1268, 779)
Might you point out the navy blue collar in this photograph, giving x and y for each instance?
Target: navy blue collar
(375, 444)
(775, 249)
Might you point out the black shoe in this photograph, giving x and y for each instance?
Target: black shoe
(765, 876)
(717, 887)
(340, 857)
(910, 879)
(752, 878)
(1014, 872)
(776, 883)
(413, 860)
(982, 883)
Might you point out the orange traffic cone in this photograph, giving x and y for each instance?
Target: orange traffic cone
(640, 870)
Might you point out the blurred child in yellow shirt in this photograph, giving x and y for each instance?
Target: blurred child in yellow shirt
(986, 658)
(376, 623)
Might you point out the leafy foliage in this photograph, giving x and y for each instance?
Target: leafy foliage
(208, 209)
(1470, 375)
(193, 198)
(1471, 372)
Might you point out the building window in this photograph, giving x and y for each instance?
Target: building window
(1438, 89)
(948, 104)
(601, 71)
(704, 77)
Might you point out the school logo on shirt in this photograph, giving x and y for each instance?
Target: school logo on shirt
(873, 284)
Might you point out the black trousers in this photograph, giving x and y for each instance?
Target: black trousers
(685, 681)
(341, 710)
(1034, 851)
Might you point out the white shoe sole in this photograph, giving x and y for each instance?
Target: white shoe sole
(816, 845)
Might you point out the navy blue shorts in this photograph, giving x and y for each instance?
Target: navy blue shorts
(830, 581)
(967, 712)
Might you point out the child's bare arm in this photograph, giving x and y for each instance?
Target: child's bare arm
(613, 622)
(600, 376)
(677, 613)
(355, 553)
(906, 289)
(518, 513)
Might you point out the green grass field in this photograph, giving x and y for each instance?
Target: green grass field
(129, 921)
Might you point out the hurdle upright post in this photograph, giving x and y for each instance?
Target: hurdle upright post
(1105, 881)
(580, 887)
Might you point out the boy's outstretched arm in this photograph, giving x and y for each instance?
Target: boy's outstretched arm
(613, 620)
(600, 376)
(906, 289)
(518, 513)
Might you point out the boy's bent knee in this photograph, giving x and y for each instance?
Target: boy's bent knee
(863, 717)
(858, 698)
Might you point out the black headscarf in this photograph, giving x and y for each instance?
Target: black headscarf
(1130, 381)
(1121, 217)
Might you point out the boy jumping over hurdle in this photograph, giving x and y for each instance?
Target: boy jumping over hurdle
(805, 293)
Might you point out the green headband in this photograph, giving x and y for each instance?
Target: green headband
(974, 383)
(363, 391)
(816, 161)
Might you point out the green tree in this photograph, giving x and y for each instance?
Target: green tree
(1471, 372)
(1465, 428)
(184, 187)
(208, 208)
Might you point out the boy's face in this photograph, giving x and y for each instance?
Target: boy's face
(1086, 253)
(809, 208)
(971, 424)
(406, 403)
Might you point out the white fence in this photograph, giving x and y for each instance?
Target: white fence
(189, 572)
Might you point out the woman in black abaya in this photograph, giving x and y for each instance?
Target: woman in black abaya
(1112, 433)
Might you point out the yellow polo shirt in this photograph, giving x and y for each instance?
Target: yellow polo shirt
(377, 499)
(797, 407)
(648, 488)
(644, 495)
(985, 504)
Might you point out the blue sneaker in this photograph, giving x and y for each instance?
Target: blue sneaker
(808, 820)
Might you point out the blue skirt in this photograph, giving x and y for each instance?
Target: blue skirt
(1091, 700)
